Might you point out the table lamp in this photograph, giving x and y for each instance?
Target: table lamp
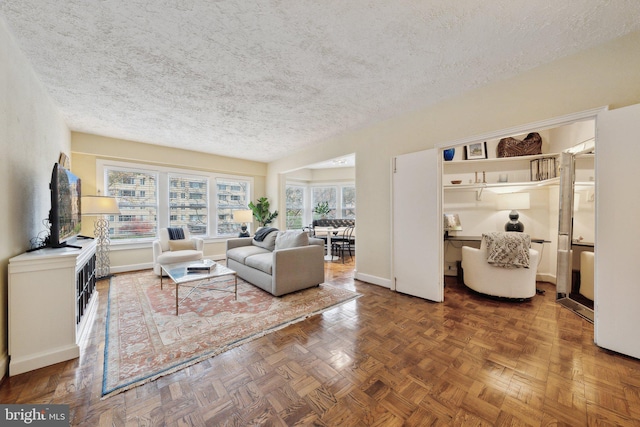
(101, 206)
(513, 202)
(243, 216)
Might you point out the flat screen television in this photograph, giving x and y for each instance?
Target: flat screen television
(65, 213)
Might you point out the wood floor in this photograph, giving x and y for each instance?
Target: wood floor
(385, 359)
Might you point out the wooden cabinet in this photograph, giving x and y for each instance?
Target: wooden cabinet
(52, 303)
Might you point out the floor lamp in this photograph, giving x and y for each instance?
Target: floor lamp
(101, 206)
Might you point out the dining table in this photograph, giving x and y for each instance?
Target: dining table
(326, 233)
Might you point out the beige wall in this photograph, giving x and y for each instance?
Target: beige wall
(323, 175)
(32, 136)
(87, 149)
(606, 75)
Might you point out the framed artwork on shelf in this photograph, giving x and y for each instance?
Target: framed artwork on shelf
(475, 151)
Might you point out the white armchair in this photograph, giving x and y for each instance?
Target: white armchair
(488, 279)
(167, 251)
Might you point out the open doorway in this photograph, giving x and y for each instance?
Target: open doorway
(323, 191)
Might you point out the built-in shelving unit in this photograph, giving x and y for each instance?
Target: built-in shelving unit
(491, 174)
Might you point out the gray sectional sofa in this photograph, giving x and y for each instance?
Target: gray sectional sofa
(281, 263)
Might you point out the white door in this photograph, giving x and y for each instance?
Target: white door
(417, 225)
(617, 262)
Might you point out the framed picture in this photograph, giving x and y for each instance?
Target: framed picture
(476, 151)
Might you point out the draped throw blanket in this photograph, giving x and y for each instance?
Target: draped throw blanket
(176, 233)
(262, 233)
(507, 249)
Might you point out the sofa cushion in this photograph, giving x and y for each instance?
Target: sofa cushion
(291, 239)
(181, 245)
(179, 256)
(262, 262)
(269, 242)
(241, 253)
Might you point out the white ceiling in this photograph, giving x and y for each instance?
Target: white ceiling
(260, 80)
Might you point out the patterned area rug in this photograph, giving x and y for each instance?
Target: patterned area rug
(146, 340)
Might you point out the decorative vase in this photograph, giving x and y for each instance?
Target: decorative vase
(448, 154)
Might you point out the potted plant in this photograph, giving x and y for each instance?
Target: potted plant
(261, 211)
(322, 209)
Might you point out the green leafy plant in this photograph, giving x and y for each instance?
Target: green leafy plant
(322, 209)
(261, 211)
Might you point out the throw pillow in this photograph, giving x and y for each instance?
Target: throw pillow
(291, 239)
(268, 243)
(175, 233)
(181, 245)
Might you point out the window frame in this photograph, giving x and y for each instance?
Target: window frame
(162, 177)
(308, 216)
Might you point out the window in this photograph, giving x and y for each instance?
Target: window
(325, 194)
(349, 201)
(232, 195)
(193, 189)
(301, 200)
(138, 214)
(295, 206)
(166, 197)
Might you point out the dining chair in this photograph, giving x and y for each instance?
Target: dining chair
(344, 242)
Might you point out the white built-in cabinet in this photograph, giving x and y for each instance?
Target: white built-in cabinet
(418, 203)
(52, 304)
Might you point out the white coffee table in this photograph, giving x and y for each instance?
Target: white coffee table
(181, 276)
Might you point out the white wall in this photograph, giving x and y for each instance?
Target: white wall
(32, 136)
(606, 75)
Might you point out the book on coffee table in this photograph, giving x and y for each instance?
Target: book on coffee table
(204, 265)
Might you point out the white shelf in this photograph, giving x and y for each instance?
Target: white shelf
(497, 186)
(499, 160)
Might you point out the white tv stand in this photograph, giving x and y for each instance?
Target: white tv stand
(52, 304)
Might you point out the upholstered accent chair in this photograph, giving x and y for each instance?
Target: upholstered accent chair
(168, 251)
(499, 279)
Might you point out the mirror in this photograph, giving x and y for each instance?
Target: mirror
(576, 229)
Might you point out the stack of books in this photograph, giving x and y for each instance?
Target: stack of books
(543, 168)
(201, 266)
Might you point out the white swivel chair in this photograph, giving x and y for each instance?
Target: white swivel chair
(167, 251)
(488, 279)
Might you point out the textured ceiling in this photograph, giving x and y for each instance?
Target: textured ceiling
(259, 80)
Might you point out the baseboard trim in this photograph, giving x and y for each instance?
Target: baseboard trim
(149, 265)
(546, 277)
(374, 280)
(4, 365)
(40, 360)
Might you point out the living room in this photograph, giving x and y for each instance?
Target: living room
(34, 133)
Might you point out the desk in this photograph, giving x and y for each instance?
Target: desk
(479, 238)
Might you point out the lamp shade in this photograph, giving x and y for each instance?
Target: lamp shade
(243, 216)
(99, 205)
(511, 201)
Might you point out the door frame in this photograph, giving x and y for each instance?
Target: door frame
(520, 129)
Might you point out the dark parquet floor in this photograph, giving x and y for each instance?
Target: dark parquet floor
(385, 359)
